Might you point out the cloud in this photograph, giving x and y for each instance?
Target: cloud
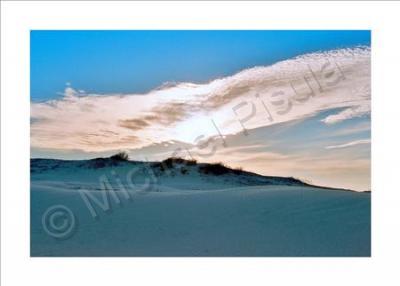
(349, 144)
(134, 124)
(349, 113)
(260, 96)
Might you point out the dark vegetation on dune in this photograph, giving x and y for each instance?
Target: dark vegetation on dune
(121, 156)
(172, 167)
(113, 161)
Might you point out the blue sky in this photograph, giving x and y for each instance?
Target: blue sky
(138, 61)
(94, 93)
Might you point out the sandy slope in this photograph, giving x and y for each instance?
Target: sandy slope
(172, 219)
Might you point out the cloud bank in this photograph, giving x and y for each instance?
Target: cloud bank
(261, 96)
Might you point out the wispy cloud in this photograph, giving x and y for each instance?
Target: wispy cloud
(356, 111)
(349, 144)
(257, 97)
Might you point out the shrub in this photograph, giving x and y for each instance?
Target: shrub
(121, 156)
(191, 162)
(170, 162)
(238, 170)
(215, 169)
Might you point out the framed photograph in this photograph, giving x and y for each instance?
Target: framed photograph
(199, 143)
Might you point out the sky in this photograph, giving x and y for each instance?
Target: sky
(287, 103)
(138, 61)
